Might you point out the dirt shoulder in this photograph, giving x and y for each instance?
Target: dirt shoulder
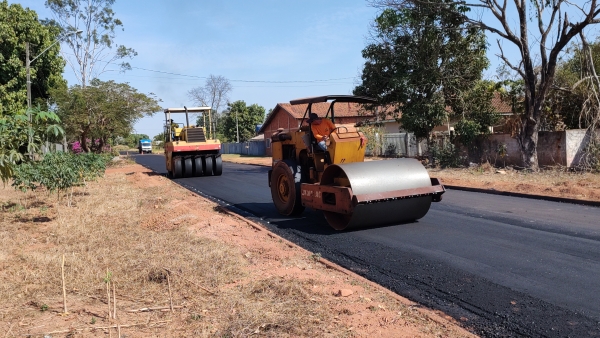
(556, 182)
(145, 257)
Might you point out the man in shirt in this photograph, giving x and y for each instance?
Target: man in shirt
(321, 129)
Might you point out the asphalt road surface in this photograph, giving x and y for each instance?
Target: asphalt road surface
(503, 266)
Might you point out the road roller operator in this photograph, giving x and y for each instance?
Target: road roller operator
(321, 129)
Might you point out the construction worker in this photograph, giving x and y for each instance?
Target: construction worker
(173, 126)
(321, 129)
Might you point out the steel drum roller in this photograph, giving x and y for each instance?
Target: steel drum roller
(378, 177)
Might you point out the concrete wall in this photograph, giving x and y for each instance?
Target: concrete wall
(48, 147)
(396, 145)
(551, 148)
(564, 148)
(576, 142)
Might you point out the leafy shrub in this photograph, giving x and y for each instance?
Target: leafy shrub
(76, 147)
(59, 171)
(446, 155)
(468, 130)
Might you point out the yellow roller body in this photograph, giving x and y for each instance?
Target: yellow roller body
(382, 193)
(335, 179)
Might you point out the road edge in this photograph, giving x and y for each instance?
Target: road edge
(492, 191)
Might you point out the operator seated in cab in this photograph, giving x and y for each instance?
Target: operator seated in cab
(321, 129)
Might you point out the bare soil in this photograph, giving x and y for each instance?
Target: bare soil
(555, 182)
(177, 266)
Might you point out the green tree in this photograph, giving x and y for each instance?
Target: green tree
(554, 23)
(159, 138)
(97, 21)
(102, 111)
(476, 111)
(242, 118)
(133, 140)
(572, 102)
(421, 61)
(18, 26)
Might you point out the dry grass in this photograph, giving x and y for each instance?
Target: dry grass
(127, 228)
(557, 182)
(102, 233)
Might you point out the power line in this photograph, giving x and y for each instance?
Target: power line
(246, 81)
(234, 80)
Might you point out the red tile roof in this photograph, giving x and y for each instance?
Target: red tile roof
(501, 106)
(341, 109)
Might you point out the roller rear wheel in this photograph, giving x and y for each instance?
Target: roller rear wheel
(199, 167)
(217, 165)
(188, 170)
(285, 188)
(177, 167)
(208, 166)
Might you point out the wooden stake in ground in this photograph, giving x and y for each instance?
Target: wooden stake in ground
(170, 295)
(62, 268)
(114, 301)
(108, 292)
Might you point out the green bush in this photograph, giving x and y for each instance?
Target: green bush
(59, 171)
(446, 155)
(468, 131)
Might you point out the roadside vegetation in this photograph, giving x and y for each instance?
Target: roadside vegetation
(136, 255)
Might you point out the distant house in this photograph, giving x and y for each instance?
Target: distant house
(501, 107)
(286, 116)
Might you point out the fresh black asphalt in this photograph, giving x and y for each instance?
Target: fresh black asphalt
(503, 266)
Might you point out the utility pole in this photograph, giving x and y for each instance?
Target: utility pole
(210, 124)
(29, 136)
(237, 129)
(28, 66)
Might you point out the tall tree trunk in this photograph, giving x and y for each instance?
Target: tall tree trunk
(84, 145)
(528, 140)
(101, 145)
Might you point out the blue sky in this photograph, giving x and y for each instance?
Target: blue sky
(260, 40)
(180, 42)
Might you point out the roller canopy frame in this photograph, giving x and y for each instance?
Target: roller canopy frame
(333, 99)
(337, 98)
(188, 110)
(185, 110)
